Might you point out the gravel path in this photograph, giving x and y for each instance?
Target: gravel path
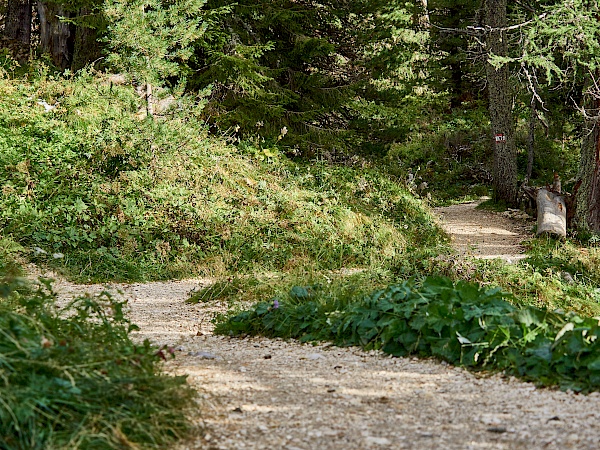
(271, 394)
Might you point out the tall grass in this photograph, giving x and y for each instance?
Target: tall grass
(71, 377)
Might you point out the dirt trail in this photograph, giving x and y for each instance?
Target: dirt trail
(484, 234)
(270, 394)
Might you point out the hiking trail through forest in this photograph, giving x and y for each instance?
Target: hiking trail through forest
(485, 234)
(259, 393)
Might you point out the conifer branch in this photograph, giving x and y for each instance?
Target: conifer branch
(478, 30)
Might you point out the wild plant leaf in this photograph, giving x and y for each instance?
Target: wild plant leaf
(565, 329)
(462, 339)
(528, 317)
(300, 293)
(434, 320)
(543, 352)
(262, 308)
(595, 364)
(395, 348)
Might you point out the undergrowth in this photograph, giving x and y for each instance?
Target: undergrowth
(554, 275)
(71, 377)
(461, 322)
(243, 291)
(92, 190)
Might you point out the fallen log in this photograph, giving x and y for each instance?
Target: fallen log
(551, 213)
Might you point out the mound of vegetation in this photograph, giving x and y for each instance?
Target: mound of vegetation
(555, 274)
(461, 322)
(71, 377)
(89, 186)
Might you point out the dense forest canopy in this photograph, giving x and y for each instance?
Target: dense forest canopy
(512, 85)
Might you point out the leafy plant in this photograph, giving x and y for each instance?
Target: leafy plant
(151, 40)
(125, 199)
(461, 322)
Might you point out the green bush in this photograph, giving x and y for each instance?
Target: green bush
(91, 189)
(449, 152)
(71, 377)
(461, 322)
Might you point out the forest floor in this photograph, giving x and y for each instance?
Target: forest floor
(259, 393)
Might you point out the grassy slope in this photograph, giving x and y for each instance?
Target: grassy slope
(90, 188)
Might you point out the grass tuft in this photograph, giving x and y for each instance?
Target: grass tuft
(71, 377)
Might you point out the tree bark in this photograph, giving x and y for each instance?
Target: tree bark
(17, 24)
(56, 37)
(531, 140)
(500, 105)
(587, 200)
(85, 47)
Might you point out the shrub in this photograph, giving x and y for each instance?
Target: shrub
(461, 322)
(91, 189)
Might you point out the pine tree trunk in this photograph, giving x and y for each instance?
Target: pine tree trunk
(531, 139)
(85, 48)
(423, 20)
(17, 24)
(56, 37)
(149, 100)
(587, 201)
(500, 106)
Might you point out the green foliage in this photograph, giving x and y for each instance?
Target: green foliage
(224, 289)
(562, 42)
(150, 39)
(567, 257)
(275, 64)
(11, 257)
(462, 323)
(71, 377)
(241, 292)
(450, 153)
(89, 188)
(555, 275)
(449, 68)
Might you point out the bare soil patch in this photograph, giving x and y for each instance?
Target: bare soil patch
(258, 393)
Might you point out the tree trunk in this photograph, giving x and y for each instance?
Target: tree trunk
(531, 140)
(420, 14)
(56, 37)
(17, 23)
(500, 105)
(85, 47)
(149, 100)
(587, 200)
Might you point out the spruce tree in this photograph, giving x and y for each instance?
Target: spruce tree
(277, 64)
(151, 39)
